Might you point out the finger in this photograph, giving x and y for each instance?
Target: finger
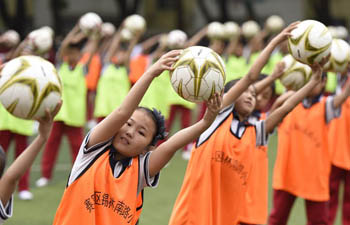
(57, 109)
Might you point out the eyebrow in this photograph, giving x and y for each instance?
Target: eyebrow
(142, 127)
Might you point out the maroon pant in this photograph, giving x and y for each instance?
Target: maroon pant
(20, 145)
(337, 176)
(202, 109)
(185, 115)
(317, 212)
(75, 138)
(90, 104)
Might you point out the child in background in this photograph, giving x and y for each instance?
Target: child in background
(72, 116)
(9, 179)
(339, 146)
(303, 162)
(114, 83)
(255, 208)
(218, 170)
(115, 162)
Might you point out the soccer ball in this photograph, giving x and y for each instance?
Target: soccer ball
(126, 34)
(342, 32)
(89, 23)
(176, 39)
(198, 74)
(28, 86)
(11, 37)
(295, 74)
(40, 40)
(340, 53)
(107, 29)
(250, 28)
(310, 42)
(274, 24)
(216, 30)
(135, 23)
(231, 30)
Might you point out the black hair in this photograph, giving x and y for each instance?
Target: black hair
(2, 161)
(78, 45)
(230, 84)
(159, 121)
(272, 86)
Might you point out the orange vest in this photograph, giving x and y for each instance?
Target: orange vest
(213, 189)
(94, 71)
(138, 66)
(303, 165)
(97, 197)
(255, 209)
(339, 138)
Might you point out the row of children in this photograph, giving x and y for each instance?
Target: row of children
(232, 173)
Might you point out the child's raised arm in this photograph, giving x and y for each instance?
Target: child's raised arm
(163, 153)
(255, 70)
(107, 128)
(278, 71)
(277, 116)
(25, 160)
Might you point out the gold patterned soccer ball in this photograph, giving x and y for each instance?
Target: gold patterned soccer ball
(28, 86)
(310, 42)
(198, 74)
(295, 74)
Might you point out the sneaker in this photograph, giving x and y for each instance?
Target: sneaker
(25, 195)
(42, 182)
(186, 154)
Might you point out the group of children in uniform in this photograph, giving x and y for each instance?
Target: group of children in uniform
(226, 177)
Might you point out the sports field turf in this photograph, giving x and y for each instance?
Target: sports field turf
(158, 202)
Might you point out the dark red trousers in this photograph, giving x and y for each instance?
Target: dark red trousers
(90, 104)
(20, 145)
(316, 212)
(75, 139)
(339, 175)
(185, 115)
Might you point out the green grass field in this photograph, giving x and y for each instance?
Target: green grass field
(158, 202)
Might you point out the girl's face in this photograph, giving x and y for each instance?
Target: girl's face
(245, 104)
(263, 98)
(135, 135)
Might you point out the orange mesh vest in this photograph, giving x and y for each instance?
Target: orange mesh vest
(94, 71)
(302, 165)
(97, 197)
(138, 66)
(255, 209)
(213, 189)
(339, 138)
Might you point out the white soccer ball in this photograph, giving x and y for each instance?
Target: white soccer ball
(49, 30)
(295, 74)
(333, 31)
(231, 30)
(340, 53)
(135, 23)
(250, 29)
(274, 24)
(216, 30)
(90, 23)
(310, 42)
(342, 32)
(126, 34)
(11, 37)
(107, 29)
(40, 40)
(198, 74)
(176, 39)
(28, 86)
